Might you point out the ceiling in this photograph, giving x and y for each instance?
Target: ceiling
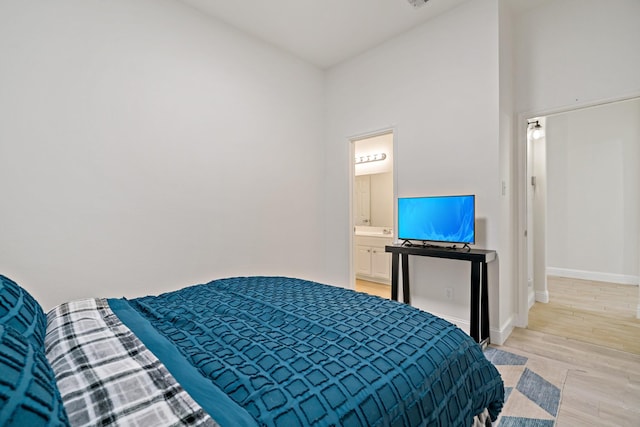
(323, 32)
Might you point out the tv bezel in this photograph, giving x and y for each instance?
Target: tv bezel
(408, 239)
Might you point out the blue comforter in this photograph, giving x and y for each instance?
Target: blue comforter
(284, 352)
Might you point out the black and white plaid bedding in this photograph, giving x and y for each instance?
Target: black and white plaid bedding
(107, 377)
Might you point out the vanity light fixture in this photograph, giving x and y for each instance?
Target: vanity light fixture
(537, 131)
(370, 158)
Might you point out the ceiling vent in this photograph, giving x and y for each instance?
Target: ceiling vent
(417, 3)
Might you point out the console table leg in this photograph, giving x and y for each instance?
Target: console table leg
(475, 301)
(406, 297)
(395, 261)
(484, 305)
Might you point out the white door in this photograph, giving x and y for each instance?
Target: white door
(380, 263)
(363, 200)
(363, 260)
(530, 201)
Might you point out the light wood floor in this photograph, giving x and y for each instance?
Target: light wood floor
(594, 312)
(373, 288)
(602, 387)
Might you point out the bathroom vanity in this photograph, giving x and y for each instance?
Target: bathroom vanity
(371, 261)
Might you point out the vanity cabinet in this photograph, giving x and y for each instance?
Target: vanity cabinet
(371, 261)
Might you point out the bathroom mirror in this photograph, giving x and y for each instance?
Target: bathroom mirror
(374, 200)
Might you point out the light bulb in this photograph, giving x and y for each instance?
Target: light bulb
(537, 132)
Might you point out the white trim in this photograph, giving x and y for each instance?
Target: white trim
(542, 296)
(496, 336)
(531, 299)
(374, 279)
(393, 130)
(352, 225)
(463, 324)
(499, 336)
(581, 105)
(622, 279)
(522, 288)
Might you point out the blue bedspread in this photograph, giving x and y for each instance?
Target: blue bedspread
(287, 352)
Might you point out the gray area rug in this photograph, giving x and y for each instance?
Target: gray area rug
(533, 388)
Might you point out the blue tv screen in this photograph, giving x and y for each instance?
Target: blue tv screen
(448, 219)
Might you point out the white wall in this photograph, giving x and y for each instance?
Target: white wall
(506, 155)
(573, 52)
(144, 147)
(594, 188)
(438, 84)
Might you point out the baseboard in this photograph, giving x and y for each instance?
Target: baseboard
(374, 279)
(463, 324)
(622, 279)
(497, 336)
(379, 281)
(542, 296)
(531, 298)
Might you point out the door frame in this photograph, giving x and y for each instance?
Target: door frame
(392, 129)
(522, 292)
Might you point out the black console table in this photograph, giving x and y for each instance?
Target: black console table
(479, 318)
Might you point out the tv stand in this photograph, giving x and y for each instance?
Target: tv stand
(479, 311)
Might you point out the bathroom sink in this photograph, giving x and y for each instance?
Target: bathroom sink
(373, 231)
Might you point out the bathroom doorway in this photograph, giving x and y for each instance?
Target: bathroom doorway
(373, 211)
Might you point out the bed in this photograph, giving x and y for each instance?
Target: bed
(243, 351)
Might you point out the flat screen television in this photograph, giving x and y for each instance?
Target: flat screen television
(446, 219)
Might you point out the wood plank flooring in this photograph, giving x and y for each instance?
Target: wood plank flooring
(373, 288)
(595, 312)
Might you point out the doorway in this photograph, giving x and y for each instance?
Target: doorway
(373, 211)
(582, 224)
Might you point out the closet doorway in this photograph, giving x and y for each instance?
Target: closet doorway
(373, 211)
(583, 224)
